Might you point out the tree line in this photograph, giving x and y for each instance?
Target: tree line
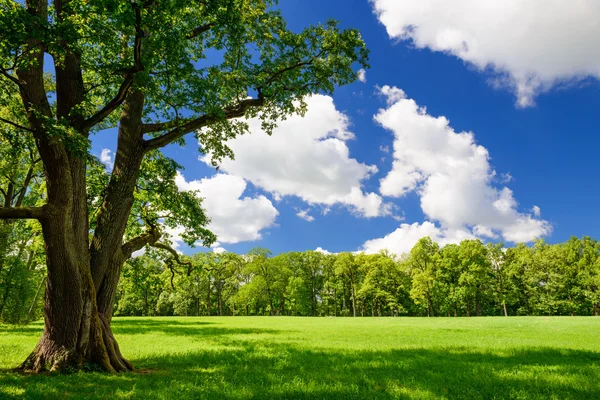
(466, 279)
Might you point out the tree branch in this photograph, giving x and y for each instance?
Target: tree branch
(169, 261)
(180, 128)
(15, 125)
(22, 212)
(10, 77)
(282, 71)
(236, 111)
(173, 252)
(23, 190)
(163, 126)
(139, 242)
(129, 75)
(200, 30)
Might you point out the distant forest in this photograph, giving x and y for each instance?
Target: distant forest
(466, 279)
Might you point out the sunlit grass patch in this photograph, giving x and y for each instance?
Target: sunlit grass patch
(329, 358)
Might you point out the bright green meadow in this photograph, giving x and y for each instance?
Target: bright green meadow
(328, 358)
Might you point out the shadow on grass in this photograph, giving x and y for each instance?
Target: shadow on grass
(263, 370)
(34, 327)
(180, 328)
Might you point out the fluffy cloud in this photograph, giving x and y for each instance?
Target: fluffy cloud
(362, 75)
(106, 158)
(304, 214)
(404, 238)
(452, 175)
(218, 250)
(233, 218)
(306, 157)
(323, 251)
(531, 45)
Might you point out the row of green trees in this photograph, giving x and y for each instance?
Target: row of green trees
(465, 279)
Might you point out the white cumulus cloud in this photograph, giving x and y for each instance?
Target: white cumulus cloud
(107, 158)
(304, 214)
(307, 157)
(233, 218)
(362, 75)
(452, 175)
(403, 239)
(530, 45)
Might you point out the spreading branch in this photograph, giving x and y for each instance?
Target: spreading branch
(236, 111)
(138, 243)
(200, 30)
(14, 124)
(175, 258)
(22, 212)
(25, 186)
(10, 77)
(277, 75)
(178, 128)
(173, 252)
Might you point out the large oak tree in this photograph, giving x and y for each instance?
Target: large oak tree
(157, 70)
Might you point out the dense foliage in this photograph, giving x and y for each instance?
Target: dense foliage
(155, 71)
(465, 279)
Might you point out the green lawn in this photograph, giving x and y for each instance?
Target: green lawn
(329, 358)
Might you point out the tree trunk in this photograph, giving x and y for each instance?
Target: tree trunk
(429, 305)
(335, 302)
(82, 279)
(353, 300)
(75, 334)
(208, 298)
(219, 299)
(5, 230)
(505, 310)
(35, 298)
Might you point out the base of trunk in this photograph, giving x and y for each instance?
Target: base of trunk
(100, 354)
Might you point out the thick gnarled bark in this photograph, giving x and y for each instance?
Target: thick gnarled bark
(76, 334)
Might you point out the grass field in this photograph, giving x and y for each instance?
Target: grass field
(329, 358)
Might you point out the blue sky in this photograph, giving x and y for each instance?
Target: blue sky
(529, 98)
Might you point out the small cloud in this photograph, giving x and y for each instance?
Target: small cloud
(536, 211)
(322, 251)
(506, 178)
(219, 250)
(305, 216)
(107, 158)
(392, 94)
(385, 149)
(362, 75)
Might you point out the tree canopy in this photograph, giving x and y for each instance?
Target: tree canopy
(156, 71)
